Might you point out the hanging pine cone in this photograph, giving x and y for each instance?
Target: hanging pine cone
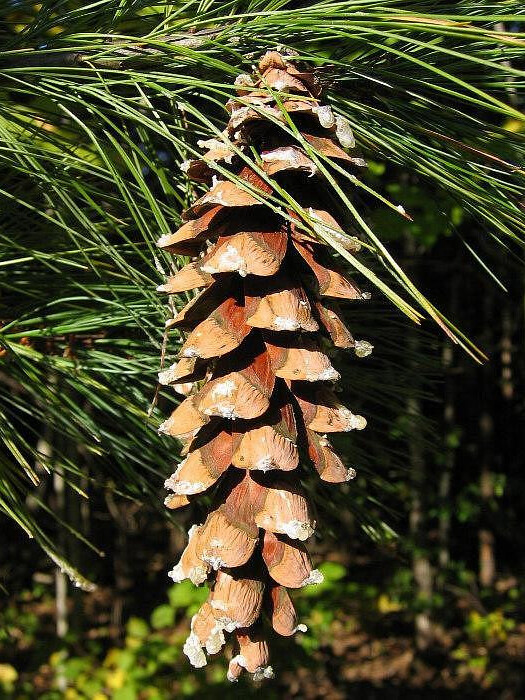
(253, 367)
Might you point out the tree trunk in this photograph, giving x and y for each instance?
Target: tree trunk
(449, 456)
(421, 568)
(487, 557)
(449, 439)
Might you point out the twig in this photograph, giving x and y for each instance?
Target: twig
(122, 51)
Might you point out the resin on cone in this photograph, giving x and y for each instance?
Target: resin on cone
(259, 385)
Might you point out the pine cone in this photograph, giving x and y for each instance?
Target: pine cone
(257, 379)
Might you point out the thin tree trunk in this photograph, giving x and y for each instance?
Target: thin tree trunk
(421, 568)
(121, 560)
(62, 624)
(449, 457)
(487, 557)
(61, 583)
(506, 351)
(449, 439)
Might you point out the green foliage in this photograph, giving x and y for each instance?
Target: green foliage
(185, 595)
(148, 662)
(490, 628)
(485, 636)
(149, 665)
(8, 677)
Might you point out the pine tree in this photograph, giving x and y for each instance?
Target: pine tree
(102, 102)
(255, 366)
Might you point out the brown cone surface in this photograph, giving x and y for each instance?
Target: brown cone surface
(254, 368)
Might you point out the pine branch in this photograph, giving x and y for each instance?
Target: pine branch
(120, 52)
(90, 176)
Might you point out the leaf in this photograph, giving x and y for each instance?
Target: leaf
(184, 594)
(162, 616)
(137, 628)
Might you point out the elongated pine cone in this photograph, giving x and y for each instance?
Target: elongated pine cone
(258, 383)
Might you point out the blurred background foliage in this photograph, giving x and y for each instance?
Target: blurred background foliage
(99, 105)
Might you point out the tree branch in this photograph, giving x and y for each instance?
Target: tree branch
(39, 58)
